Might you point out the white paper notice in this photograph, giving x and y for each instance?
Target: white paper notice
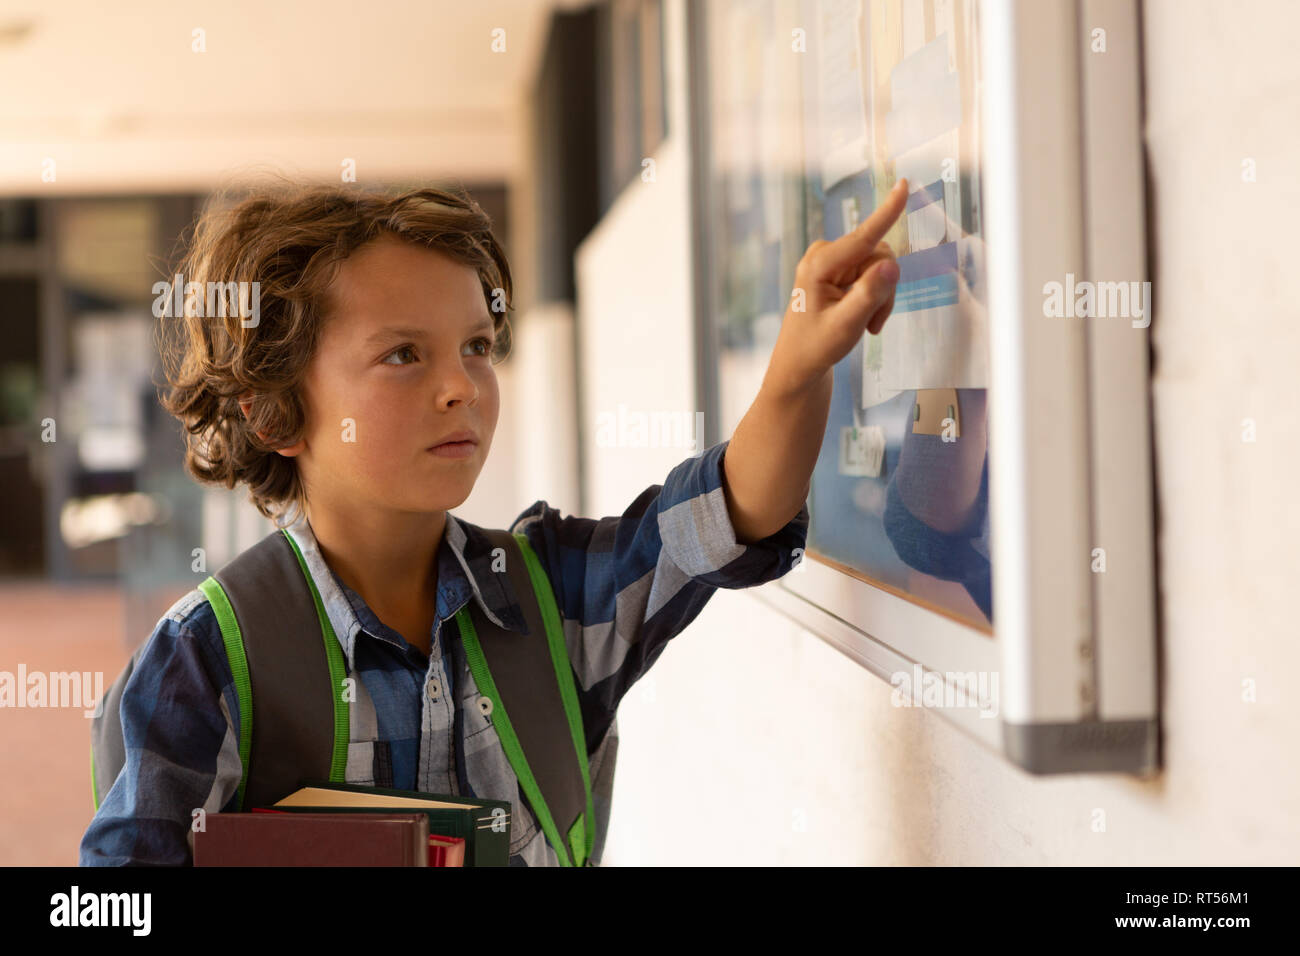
(842, 115)
(937, 335)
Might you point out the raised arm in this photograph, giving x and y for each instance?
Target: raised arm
(842, 288)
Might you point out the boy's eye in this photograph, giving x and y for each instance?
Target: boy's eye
(486, 342)
(404, 348)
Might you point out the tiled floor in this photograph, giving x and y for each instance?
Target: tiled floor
(45, 794)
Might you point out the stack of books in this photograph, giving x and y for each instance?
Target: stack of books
(339, 824)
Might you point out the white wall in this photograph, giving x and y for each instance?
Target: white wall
(754, 742)
(534, 454)
(635, 311)
(635, 333)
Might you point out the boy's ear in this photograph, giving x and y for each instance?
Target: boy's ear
(289, 451)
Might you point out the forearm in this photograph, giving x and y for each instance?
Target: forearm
(843, 289)
(768, 465)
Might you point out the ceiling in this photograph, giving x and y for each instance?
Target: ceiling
(119, 99)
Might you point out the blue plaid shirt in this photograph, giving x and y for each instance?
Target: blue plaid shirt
(625, 585)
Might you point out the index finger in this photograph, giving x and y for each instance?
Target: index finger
(855, 246)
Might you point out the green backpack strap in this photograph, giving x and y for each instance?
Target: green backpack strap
(542, 714)
(233, 639)
(580, 840)
(273, 624)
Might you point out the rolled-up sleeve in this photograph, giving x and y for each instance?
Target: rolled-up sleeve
(628, 584)
(698, 535)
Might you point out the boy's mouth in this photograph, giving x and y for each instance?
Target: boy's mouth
(456, 445)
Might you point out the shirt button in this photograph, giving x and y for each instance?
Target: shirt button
(432, 688)
(485, 705)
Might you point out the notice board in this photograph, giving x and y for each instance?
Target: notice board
(815, 110)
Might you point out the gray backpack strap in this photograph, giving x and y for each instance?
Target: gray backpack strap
(524, 674)
(107, 748)
(273, 624)
(276, 615)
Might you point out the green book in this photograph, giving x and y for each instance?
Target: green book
(484, 824)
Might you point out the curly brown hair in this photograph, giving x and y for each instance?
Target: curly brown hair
(290, 239)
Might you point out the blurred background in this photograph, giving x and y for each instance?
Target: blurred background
(119, 122)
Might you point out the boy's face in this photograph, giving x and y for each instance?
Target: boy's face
(402, 363)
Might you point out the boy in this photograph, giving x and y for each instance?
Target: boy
(364, 397)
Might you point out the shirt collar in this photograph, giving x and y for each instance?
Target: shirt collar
(464, 572)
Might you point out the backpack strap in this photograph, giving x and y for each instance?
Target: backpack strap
(273, 623)
(547, 721)
(107, 748)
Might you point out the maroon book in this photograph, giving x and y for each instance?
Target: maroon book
(313, 839)
(443, 850)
